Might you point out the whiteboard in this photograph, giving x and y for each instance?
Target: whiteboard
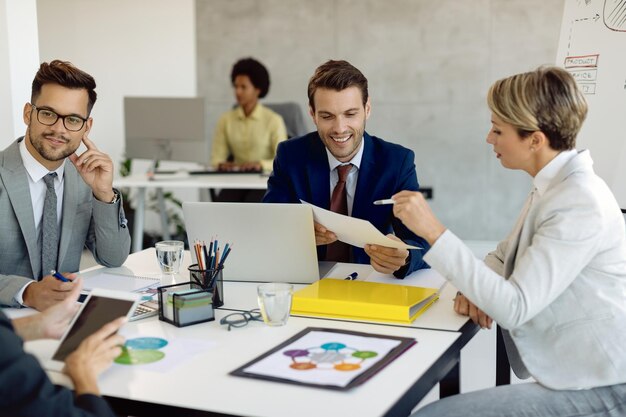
(592, 47)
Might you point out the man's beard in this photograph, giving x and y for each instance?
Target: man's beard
(59, 155)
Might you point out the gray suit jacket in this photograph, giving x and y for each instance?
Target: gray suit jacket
(99, 226)
(557, 283)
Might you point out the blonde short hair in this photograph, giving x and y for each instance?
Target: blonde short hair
(546, 99)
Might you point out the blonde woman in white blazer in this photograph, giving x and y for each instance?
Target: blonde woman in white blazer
(557, 283)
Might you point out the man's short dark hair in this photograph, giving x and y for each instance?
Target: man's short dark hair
(259, 77)
(337, 75)
(66, 75)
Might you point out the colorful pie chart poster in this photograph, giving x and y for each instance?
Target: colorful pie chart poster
(327, 358)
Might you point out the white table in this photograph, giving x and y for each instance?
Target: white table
(179, 180)
(202, 386)
(241, 296)
(203, 383)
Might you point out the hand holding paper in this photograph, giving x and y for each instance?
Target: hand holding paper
(353, 231)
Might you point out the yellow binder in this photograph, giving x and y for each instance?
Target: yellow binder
(362, 300)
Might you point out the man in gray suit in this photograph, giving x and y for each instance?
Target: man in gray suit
(39, 231)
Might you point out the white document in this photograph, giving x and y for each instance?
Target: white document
(101, 279)
(353, 231)
(156, 353)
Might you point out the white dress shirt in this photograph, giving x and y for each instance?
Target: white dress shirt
(549, 172)
(353, 175)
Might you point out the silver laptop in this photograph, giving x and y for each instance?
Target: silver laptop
(271, 242)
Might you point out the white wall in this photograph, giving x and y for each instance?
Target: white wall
(19, 60)
(138, 47)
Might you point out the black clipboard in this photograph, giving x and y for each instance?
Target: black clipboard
(405, 344)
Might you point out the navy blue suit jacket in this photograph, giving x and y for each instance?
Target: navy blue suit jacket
(25, 389)
(301, 171)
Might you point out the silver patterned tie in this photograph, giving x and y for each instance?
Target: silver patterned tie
(49, 227)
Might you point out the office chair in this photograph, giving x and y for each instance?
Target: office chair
(293, 117)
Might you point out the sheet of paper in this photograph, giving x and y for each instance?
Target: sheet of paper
(158, 354)
(107, 280)
(324, 358)
(427, 278)
(353, 231)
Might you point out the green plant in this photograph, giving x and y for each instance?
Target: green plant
(173, 205)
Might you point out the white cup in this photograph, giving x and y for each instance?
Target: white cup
(170, 255)
(275, 302)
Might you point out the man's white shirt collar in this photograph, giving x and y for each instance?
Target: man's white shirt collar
(35, 170)
(356, 160)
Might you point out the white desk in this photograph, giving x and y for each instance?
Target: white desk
(211, 181)
(241, 296)
(202, 386)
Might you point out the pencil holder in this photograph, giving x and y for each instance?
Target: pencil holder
(211, 280)
(185, 304)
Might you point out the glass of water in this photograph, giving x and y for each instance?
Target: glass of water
(170, 255)
(275, 302)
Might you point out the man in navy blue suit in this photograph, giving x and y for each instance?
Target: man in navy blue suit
(310, 168)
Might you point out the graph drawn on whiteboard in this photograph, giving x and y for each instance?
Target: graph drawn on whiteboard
(591, 48)
(614, 15)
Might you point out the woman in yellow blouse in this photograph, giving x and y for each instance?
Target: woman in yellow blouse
(250, 133)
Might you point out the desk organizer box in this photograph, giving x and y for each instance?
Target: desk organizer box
(185, 304)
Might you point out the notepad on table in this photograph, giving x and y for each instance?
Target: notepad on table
(362, 300)
(113, 281)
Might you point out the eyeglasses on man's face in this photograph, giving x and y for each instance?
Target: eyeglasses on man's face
(48, 117)
(241, 319)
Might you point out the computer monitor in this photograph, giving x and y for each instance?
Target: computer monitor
(166, 129)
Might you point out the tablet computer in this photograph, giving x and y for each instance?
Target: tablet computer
(100, 307)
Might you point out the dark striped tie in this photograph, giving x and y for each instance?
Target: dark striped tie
(339, 251)
(49, 227)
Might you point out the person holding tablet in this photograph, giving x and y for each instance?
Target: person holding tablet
(25, 389)
(557, 283)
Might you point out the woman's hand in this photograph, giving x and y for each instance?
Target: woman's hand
(465, 307)
(411, 208)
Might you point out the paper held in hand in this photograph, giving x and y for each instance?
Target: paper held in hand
(353, 231)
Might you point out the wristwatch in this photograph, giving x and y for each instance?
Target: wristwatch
(116, 197)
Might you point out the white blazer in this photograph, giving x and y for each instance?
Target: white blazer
(563, 295)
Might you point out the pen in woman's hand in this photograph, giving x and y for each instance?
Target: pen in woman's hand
(386, 201)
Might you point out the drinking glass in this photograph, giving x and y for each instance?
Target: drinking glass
(170, 255)
(275, 302)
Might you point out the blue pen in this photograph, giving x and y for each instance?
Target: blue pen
(352, 276)
(59, 276)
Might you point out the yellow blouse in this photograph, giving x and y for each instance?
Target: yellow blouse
(248, 139)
